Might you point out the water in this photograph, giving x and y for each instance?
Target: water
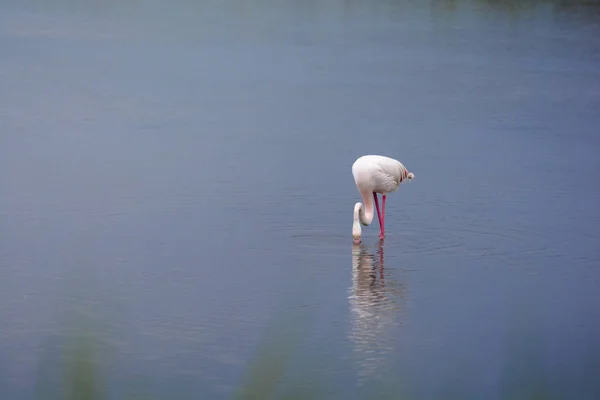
(176, 190)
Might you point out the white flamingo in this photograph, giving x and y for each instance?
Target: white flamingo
(375, 174)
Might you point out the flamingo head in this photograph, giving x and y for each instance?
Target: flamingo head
(356, 232)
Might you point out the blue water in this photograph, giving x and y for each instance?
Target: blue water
(176, 188)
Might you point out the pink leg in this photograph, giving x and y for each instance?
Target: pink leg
(377, 208)
(379, 215)
(382, 222)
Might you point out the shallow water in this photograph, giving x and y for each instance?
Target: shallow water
(176, 187)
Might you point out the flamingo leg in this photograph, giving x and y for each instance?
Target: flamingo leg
(377, 208)
(382, 222)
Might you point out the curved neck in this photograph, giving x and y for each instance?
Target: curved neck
(364, 212)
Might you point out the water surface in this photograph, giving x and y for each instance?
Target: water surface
(176, 190)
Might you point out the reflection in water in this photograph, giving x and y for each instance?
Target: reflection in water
(374, 310)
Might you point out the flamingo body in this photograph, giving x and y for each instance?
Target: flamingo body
(375, 174)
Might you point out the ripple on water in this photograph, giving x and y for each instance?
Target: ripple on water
(472, 242)
(321, 242)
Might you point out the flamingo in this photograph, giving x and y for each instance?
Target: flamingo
(375, 174)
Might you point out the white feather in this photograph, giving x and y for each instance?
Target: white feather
(379, 174)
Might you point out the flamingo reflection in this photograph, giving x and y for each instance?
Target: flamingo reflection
(375, 310)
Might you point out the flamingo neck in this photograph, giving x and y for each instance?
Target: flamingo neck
(363, 214)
